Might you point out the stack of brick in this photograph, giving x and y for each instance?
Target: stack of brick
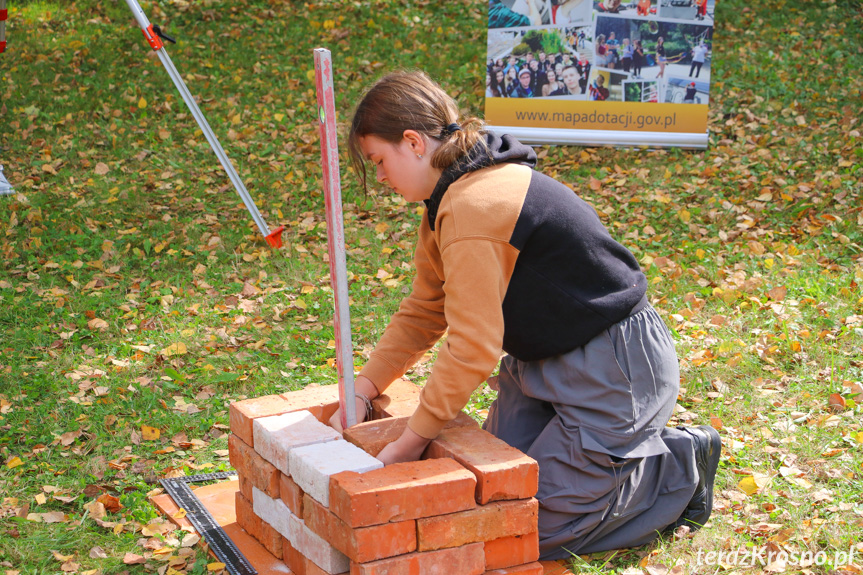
(324, 504)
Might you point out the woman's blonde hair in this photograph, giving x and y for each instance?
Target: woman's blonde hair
(412, 101)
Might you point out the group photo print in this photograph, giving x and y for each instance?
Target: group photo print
(539, 63)
(618, 52)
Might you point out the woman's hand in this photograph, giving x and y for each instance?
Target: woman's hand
(336, 419)
(408, 447)
(364, 386)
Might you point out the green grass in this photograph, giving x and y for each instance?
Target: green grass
(125, 240)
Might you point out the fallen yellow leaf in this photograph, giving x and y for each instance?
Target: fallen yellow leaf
(150, 433)
(748, 485)
(151, 529)
(216, 566)
(179, 514)
(14, 462)
(178, 348)
(752, 484)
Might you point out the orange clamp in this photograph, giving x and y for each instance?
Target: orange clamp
(275, 237)
(152, 38)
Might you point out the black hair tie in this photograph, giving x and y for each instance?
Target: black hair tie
(449, 130)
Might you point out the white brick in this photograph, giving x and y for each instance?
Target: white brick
(312, 466)
(316, 549)
(273, 511)
(277, 435)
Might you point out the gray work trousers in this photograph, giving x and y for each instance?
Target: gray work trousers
(611, 474)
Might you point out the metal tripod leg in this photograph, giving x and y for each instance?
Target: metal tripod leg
(214, 142)
(154, 38)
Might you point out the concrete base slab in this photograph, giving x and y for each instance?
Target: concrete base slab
(218, 499)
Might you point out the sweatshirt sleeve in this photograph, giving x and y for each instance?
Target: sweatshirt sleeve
(417, 325)
(477, 272)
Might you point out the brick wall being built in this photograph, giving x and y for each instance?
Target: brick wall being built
(322, 503)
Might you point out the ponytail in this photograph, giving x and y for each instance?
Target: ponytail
(458, 143)
(412, 101)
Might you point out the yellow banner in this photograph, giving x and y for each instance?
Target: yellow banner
(587, 115)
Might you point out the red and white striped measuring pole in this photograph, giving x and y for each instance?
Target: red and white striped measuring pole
(335, 234)
(3, 15)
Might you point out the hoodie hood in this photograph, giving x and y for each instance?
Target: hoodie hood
(497, 150)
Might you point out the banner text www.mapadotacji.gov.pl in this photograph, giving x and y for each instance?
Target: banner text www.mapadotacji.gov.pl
(619, 121)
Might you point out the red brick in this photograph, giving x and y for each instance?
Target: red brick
(465, 560)
(298, 564)
(535, 568)
(373, 436)
(322, 401)
(401, 491)
(555, 568)
(312, 569)
(511, 551)
(259, 472)
(246, 517)
(243, 413)
(400, 399)
(291, 494)
(361, 544)
(245, 486)
(502, 472)
(271, 540)
(486, 523)
(256, 527)
(293, 558)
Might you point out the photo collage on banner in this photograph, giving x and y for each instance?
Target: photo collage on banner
(616, 51)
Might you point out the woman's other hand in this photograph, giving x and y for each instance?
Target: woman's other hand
(408, 447)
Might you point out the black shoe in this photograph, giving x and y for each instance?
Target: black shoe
(708, 447)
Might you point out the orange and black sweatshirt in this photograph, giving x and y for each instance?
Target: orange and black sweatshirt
(507, 259)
